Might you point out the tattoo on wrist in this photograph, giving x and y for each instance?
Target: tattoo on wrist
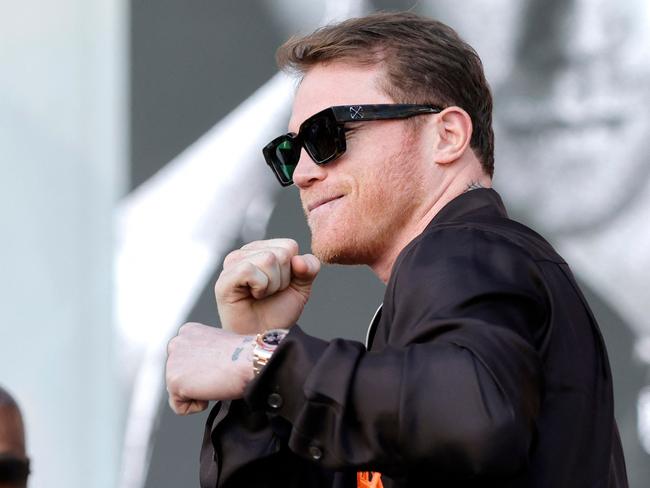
(235, 355)
(474, 185)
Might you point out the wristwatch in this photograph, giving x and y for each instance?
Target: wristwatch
(265, 345)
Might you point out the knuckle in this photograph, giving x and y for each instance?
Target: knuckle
(218, 287)
(231, 258)
(172, 404)
(222, 284)
(247, 269)
(268, 258)
(172, 345)
(283, 255)
(173, 383)
(252, 244)
(176, 386)
(290, 245)
(185, 329)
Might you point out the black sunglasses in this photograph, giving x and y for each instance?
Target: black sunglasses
(13, 469)
(323, 134)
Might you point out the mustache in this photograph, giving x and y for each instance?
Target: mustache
(311, 201)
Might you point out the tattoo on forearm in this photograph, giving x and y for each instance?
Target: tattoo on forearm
(474, 185)
(239, 349)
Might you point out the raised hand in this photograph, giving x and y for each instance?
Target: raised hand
(264, 285)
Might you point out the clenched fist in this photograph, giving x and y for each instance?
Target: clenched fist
(205, 363)
(264, 285)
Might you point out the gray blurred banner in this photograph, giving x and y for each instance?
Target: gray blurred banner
(571, 80)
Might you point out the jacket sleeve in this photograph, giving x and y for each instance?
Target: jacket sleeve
(455, 387)
(245, 449)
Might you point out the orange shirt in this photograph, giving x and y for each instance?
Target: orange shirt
(368, 479)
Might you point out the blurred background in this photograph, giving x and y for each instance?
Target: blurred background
(130, 155)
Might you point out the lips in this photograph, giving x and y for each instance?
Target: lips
(314, 205)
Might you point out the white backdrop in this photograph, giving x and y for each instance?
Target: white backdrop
(62, 158)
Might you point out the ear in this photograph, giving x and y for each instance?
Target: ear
(454, 130)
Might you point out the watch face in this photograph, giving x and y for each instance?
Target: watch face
(273, 337)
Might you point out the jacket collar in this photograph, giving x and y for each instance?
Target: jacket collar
(470, 206)
(482, 202)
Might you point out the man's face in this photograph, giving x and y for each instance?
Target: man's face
(371, 192)
(12, 435)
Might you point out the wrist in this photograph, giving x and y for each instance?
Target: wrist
(242, 359)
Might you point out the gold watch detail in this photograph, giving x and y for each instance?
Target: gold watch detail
(265, 345)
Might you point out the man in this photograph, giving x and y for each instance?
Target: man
(14, 464)
(484, 366)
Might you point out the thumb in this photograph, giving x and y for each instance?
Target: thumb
(304, 269)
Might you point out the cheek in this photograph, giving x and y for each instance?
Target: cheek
(381, 160)
(384, 194)
(381, 169)
(397, 174)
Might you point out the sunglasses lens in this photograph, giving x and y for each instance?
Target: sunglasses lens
(320, 135)
(320, 139)
(286, 154)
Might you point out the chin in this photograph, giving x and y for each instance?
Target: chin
(333, 255)
(330, 253)
(344, 248)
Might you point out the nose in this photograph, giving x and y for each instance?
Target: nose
(307, 172)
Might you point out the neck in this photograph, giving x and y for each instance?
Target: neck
(468, 179)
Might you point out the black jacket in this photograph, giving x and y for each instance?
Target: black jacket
(486, 369)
